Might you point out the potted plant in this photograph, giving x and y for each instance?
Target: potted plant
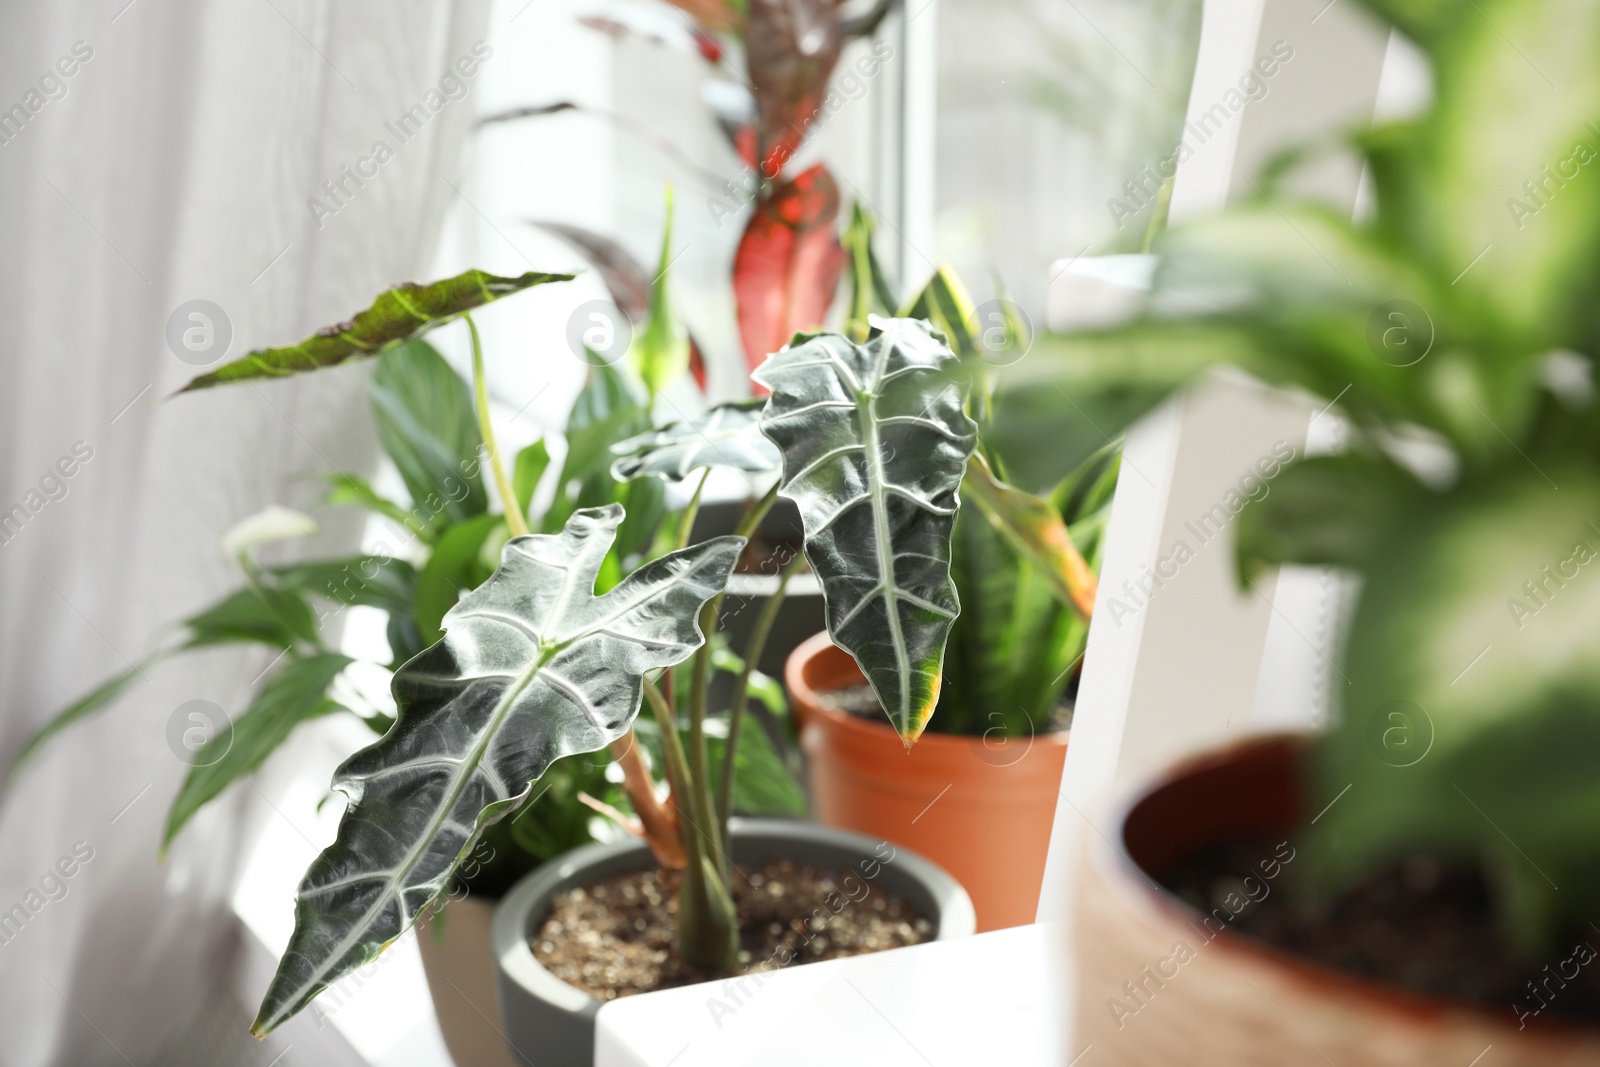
(978, 793)
(552, 655)
(442, 539)
(1415, 885)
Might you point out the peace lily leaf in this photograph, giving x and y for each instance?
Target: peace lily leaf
(727, 436)
(293, 695)
(533, 667)
(371, 581)
(352, 490)
(276, 617)
(427, 425)
(875, 441)
(101, 697)
(452, 567)
(869, 288)
(528, 472)
(660, 353)
(399, 314)
(1034, 528)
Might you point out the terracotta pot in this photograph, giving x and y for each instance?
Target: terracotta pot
(980, 807)
(459, 960)
(551, 1024)
(1160, 983)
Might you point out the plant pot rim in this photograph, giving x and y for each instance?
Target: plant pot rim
(806, 695)
(1152, 903)
(511, 925)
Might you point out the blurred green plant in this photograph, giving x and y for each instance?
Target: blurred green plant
(1458, 319)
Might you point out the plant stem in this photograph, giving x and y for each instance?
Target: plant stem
(698, 758)
(690, 513)
(516, 522)
(677, 768)
(658, 826)
(741, 690)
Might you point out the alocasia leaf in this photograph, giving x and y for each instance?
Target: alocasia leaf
(792, 47)
(726, 436)
(624, 276)
(875, 441)
(788, 263)
(397, 315)
(533, 666)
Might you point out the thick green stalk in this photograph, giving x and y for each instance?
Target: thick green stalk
(741, 690)
(516, 522)
(699, 760)
(690, 513)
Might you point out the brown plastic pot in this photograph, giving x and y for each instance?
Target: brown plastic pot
(980, 807)
(1161, 983)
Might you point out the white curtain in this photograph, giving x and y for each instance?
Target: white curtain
(173, 163)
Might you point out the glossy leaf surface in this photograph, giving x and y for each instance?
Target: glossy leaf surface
(875, 442)
(533, 666)
(396, 316)
(726, 436)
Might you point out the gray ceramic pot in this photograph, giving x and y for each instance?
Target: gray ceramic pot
(551, 1024)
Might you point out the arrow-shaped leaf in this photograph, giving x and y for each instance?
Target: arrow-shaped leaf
(727, 436)
(874, 443)
(397, 315)
(533, 667)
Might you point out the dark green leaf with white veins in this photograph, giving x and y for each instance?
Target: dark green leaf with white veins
(533, 666)
(874, 441)
(727, 436)
(399, 314)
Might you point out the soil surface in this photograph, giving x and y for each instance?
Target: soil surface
(616, 938)
(1414, 924)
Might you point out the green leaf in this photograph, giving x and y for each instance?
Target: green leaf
(1470, 716)
(945, 303)
(607, 410)
(352, 490)
(528, 472)
(646, 504)
(1034, 528)
(279, 618)
(372, 581)
(762, 783)
(98, 698)
(533, 667)
(1323, 510)
(398, 315)
(427, 425)
(453, 567)
(870, 292)
(726, 436)
(660, 352)
(875, 440)
(293, 695)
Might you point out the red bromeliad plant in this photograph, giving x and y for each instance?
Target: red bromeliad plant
(789, 260)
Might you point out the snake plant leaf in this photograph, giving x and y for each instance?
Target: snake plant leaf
(729, 435)
(397, 315)
(869, 287)
(875, 440)
(945, 302)
(1035, 528)
(660, 351)
(533, 666)
(295, 694)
